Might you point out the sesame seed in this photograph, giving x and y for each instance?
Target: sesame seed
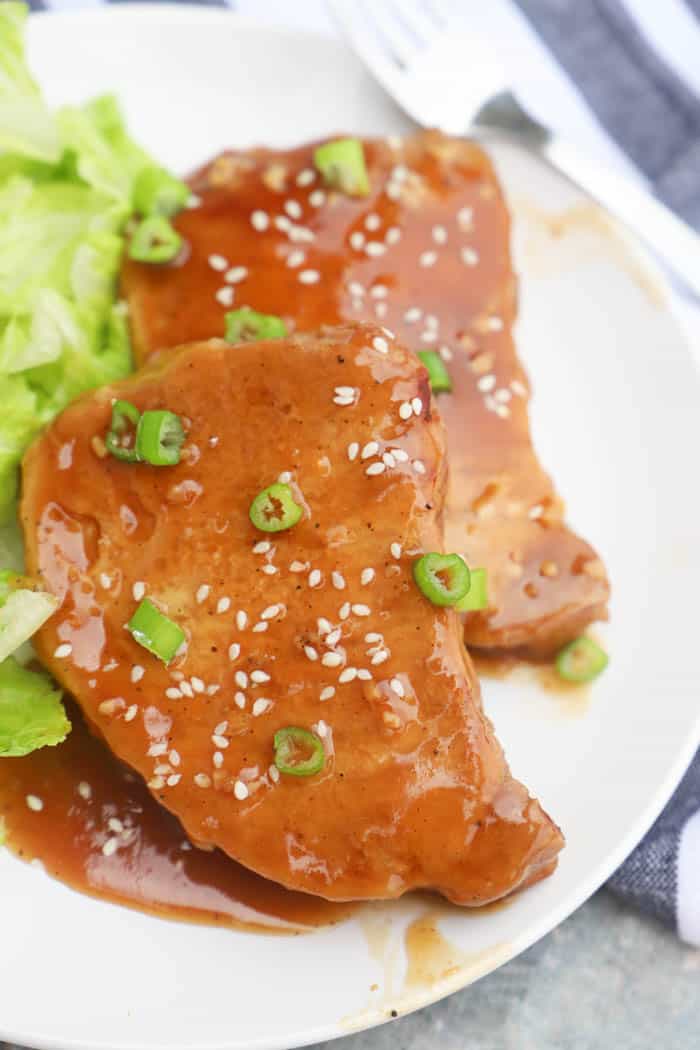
(327, 692)
(427, 258)
(345, 391)
(419, 466)
(156, 783)
(219, 741)
(380, 309)
(324, 626)
(262, 547)
(364, 674)
(431, 321)
(295, 258)
(469, 256)
(115, 824)
(305, 177)
(317, 198)
(239, 700)
(361, 610)
(293, 209)
(260, 220)
(344, 402)
(446, 353)
(202, 780)
(105, 580)
(261, 706)
(259, 676)
(344, 611)
(270, 570)
(333, 638)
(380, 344)
(111, 846)
(380, 657)
(240, 790)
(397, 687)
(218, 262)
(388, 332)
(494, 324)
(197, 684)
(218, 759)
(315, 578)
(137, 673)
(309, 276)
(223, 605)
(221, 727)
(372, 636)
(392, 235)
(417, 405)
(405, 410)
(282, 223)
(429, 336)
(311, 652)
(399, 455)
(393, 190)
(395, 550)
(321, 729)
(270, 612)
(84, 790)
(439, 234)
(156, 750)
(212, 690)
(503, 396)
(63, 650)
(375, 468)
(388, 459)
(138, 590)
(347, 675)
(412, 315)
(234, 651)
(370, 449)
(241, 679)
(486, 383)
(261, 626)
(187, 689)
(372, 222)
(464, 218)
(338, 580)
(241, 620)
(225, 296)
(173, 693)
(34, 803)
(202, 593)
(236, 274)
(353, 449)
(375, 249)
(357, 240)
(379, 291)
(298, 566)
(502, 411)
(518, 388)
(331, 659)
(274, 774)
(173, 779)
(131, 712)
(366, 576)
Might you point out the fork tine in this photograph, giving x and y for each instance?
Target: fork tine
(397, 36)
(355, 23)
(418, 19)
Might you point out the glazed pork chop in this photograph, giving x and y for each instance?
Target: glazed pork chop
(312, 639)
(427, 254)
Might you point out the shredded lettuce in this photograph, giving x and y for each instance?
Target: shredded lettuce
(26, 126)
(31, 712)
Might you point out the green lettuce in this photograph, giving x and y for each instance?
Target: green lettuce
(26, 125)
(31, 712)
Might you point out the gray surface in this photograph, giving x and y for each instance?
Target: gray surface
(604, 980)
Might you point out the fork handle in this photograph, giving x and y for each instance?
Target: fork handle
(668, 236)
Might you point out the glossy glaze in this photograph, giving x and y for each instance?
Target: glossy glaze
(100, 831)
(427, 253)
(415, 791)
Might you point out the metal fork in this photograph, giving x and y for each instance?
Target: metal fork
(445, 77)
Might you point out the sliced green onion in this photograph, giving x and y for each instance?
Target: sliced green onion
(155, 632)
(246, 325)
(298, 752)
(477, 596)
(154, 241)
(581, 661)
(159, 438)
(342, 165)
(121, 437)
(442, 578)
(157, 192)
(274, 509)
(437, 372)
(23, 610)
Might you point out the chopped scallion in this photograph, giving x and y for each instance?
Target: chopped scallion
(274, 509)
(440, 381)
(246, 325)
(476, 597)
(442, 578)
(154, 241)
(159, 438)
(121, 437)
(155, 631)
(342, 165)
(157, 192)
(581, 661)
(298, 752)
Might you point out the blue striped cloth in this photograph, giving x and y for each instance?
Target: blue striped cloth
(646, 100)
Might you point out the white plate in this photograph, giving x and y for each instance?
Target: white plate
(615, 410)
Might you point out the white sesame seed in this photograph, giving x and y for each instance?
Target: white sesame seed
(137, 673)
(419, 466)
(282, 223)
(241, 679)
(84, 790)
(225, 296)
(221, 727)
(138, 590)
(494, 324)
(375, 248)
(309, 276)
(446, 353)
(380, 657)
(333, 638)
(353, 449)
(427, 258)
(173, 779)
(261, 706)
(240, 790)
(295, 258)
(315, 578)
(131, 712)
(370, 449)
(298, 566)
(293, 209)
(465, 216)
(345, 391)
(518, 388)
(223, 605)
(270, 570)
(338, 580)
(331, 659)
(270, 612)
(34, 803)
(173, 693)
(347, 675)
(321, 729)
(344, 402)
(388, 459)
(260, 220)
(429, 336)
(212, 690)
(395, 550)
(202, 593)
(439, 234)
(344, 611)
(412, 315)
(405, 410)
(262, 547)
(366, 576)
(375, 468)
(115, 824)
(63, 650)
(219, 741)
(432, 322)
(379, 291)
(259, 676)
(392, 235)
(503, 396)
(397, 687)
(364, 674)
(202, 780)
(372, 222)
(361, 610)
(187, 689)
(234, 651)
(372, 636)
(105, 580)
(469, 256)
(327, 692)
(241, 620)
(502, 411)
(197, 684)
(417, 405)
(310, 652)
(239, 700)
(301, 234)
(285, 477)
(317, 198)
(393, 190)
(399, 455)
(381, 309)
(110, 846)
(218, 759)
(305, 177)
(236, 274)
(261, 626)
(158, 749)
(274, 774)
(486, 383)
(324, 626)
(156, 783)
(357, 240)
(218, 262)
(380, 344)
(388, 332)
(193, 201)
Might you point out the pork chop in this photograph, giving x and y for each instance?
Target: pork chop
(319, 627)
(427, 254)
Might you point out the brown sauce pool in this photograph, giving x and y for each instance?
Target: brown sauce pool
(89, 800)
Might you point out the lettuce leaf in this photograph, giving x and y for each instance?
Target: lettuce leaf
(31, 712)
(26, 125)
